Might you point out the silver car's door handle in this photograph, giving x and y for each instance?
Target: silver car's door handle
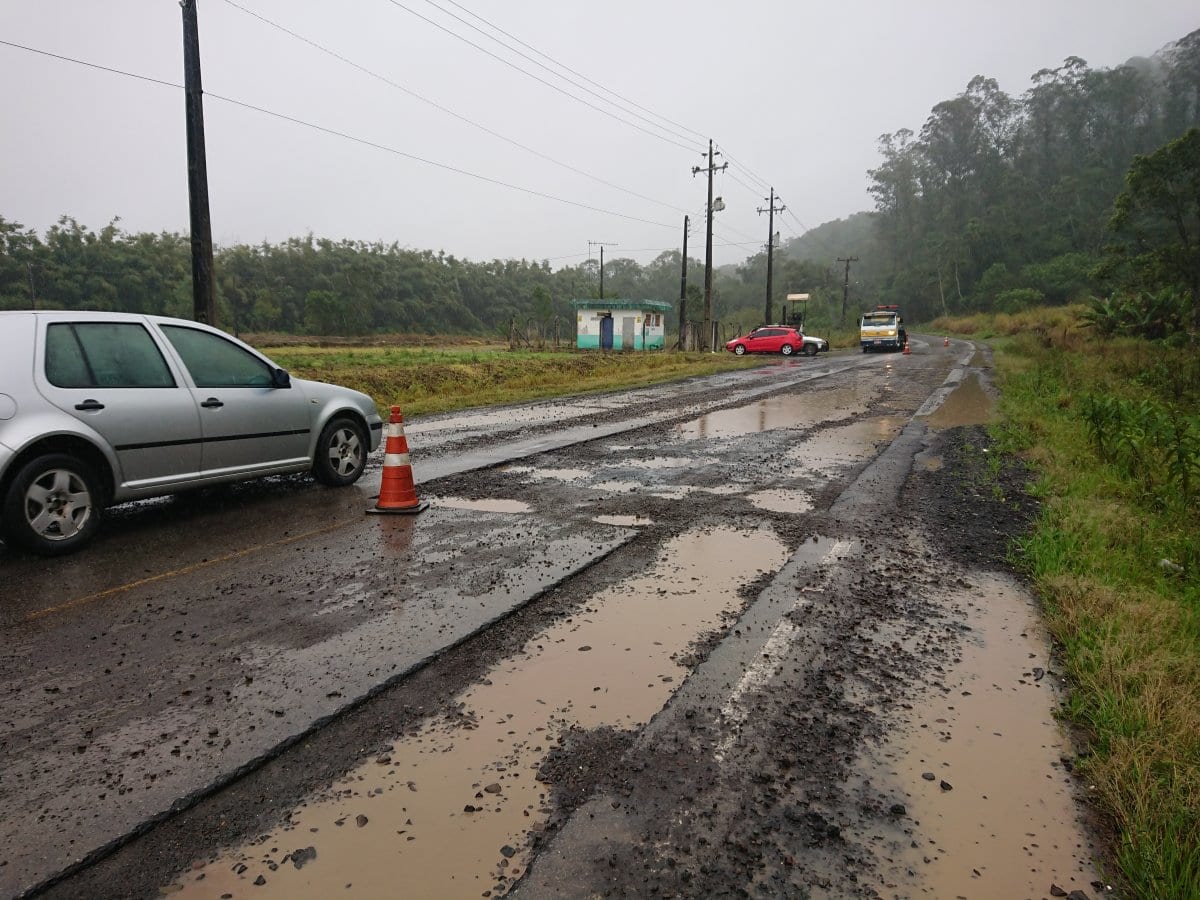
(88, 405)
(212, 403)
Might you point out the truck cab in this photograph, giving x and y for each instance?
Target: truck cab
(882, 329)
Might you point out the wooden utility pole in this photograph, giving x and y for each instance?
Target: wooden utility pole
(706, 334)
(770, 210)
(204, 305)
(601, 245)
(846, 284)
(683, 290)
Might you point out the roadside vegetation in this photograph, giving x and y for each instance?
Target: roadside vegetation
(426, 380)
(1111, 427)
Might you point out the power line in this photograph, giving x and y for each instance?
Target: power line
(447, 110)
(746, 169)
(429, 162)
(752, 190)
(349, 137)
(574, 72)
(546, 68)
(548, 84)
(93, 65)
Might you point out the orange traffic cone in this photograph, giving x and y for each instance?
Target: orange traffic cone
(397, 493)
(946, 341)
(907, 352)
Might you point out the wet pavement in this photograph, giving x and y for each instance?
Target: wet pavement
(693, 632)
(171, 692)
(453, 803)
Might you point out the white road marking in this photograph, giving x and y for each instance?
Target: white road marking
(770, 660)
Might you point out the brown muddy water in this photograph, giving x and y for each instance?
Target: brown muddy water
(968, 404)
(830, 449)
(446, 811)
(496, 505)
(784, 500)
(624, 521)
(779, 411)
(979, 766)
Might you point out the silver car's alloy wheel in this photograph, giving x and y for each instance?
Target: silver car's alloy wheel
(58, 504)
(345, 451)
(52, 505)
(341, 453)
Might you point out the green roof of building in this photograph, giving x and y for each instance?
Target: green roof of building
(610, 303)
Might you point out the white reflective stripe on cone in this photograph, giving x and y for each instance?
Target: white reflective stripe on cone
(395, 429)
(396, 459)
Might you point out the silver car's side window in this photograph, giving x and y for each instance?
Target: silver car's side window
(104, 354)
(213, 361)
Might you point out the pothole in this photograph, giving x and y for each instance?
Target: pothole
(968, 404)
(535, 474)
(779, 411)
(447, 810)
(491, 505)
(783, 500)
(626, 521)
(665, 462)
(831, 449)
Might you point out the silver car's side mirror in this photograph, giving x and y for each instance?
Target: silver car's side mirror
(281, 379)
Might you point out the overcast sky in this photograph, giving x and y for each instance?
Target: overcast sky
(796, 93)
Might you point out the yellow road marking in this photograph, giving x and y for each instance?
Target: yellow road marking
(100, 595)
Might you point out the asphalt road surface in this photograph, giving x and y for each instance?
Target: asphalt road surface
(741, 635)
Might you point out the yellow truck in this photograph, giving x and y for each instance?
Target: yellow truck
(882, 329)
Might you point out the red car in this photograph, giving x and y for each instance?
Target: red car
(768, 339)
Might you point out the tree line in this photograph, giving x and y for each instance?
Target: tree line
(309, 285)
(1002, 202)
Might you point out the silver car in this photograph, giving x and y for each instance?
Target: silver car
(100, 408)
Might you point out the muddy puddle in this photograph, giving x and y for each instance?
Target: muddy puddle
(783, 500)
(446, 811)
(532, 473)
(831, 449)
(502, 418)
(664, 491)
(967, 404)
(624, 521)
(665, 462)
(490, 505)
(780, 411)
(979, 767)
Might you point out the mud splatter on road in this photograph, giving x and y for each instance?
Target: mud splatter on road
(980, 764)
(446, 811)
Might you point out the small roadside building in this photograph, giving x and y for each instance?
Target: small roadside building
(620, 324)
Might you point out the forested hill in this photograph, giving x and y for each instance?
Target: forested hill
(996, 204)
(999, 202)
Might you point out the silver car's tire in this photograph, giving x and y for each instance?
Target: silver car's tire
(786, 349)
(53, 505)
(810, 349)
(341, 453)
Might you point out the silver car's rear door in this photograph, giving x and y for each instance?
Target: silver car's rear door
(113, 377)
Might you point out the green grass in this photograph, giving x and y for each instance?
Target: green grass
(1128, 626)
(424, 380)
